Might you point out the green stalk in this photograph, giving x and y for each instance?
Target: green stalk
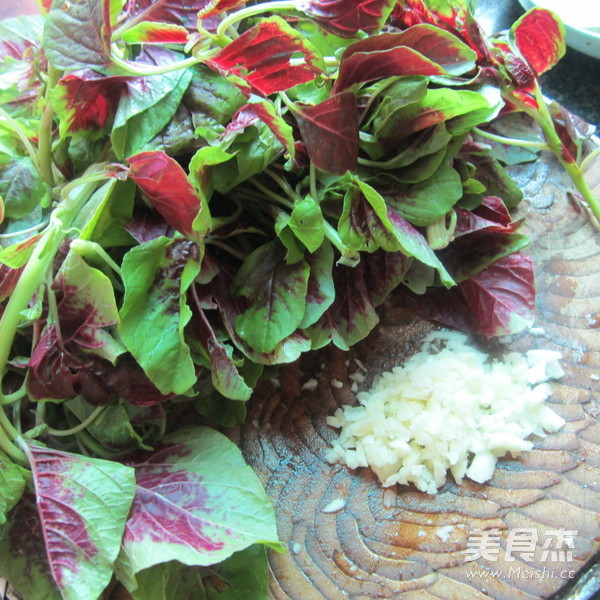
(38, 265)
(33, 229)
(511, 141)
(271, 194)
(224, 246)
(33, 275)
(143, 70)
(283, 184)
(10, 449)
(85, 247)
(544, 119)
(84, 179)
(76, 428)
(44, 154)
(91, 444)
(587, 161)
(14, 396)
(117, 34)
(312, 181)
(250, 11)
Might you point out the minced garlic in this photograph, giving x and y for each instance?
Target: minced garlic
(447, 408)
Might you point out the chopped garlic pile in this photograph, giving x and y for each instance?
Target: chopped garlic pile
(448, 408)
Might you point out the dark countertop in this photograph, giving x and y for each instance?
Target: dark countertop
(574, 81)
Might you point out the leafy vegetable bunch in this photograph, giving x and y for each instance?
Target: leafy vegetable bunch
(195, 192)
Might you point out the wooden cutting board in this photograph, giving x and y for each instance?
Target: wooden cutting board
(405, 544)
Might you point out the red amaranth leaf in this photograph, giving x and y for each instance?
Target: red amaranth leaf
(8, 281)
(79, 356)
(540, 37)
(499, 300)
(186, 509)
(438, 45)
(224, 374)
(346, 17)
(330, 132)
(451, 17)
(175, 12)
(362, 67)
(85, 100)
(12, 263)
(152, 32)
(64, 371)
(572, 130)
(352, 315)
(146, 225)
(166, 186)
(21, 59)
(216, 7)
(45, 6)
(20, 38)
(261, 58)
(265, 111)
(23, 551)
(491, 215)
(516, 66)
(83, 504)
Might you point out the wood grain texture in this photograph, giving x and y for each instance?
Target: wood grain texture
(401, 543)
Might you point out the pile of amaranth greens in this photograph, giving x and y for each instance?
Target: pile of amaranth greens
(195, 192)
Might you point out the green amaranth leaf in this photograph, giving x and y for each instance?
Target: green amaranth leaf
(394, 95)
(462, 109)
(404, 155)
(426, 202)
(197, 502)
(148, 105)
(321, 291)
(381, 227)
(83, 504)
(17, 255)
(108, 229)
(112, 427)
(306, 221)
(221, 410)
(225, 376)
(295, 250)
(493, 175)
(90, 214)
(155, 312)
(255, 149)
(245, 575)
(77, 37)
(12, 484)
(200, 167)
(276, 295)
(21, 187)
(206, 108)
